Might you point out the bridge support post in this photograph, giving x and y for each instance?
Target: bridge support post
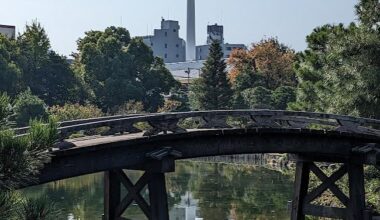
(154, 178)
(301, 185)
(353, 205)
(111, 195)
(356, 204)
(158, 197)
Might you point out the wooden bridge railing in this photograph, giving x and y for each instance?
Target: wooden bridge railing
(153, 124)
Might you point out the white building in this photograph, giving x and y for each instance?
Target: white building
(215, 32)
(166, 42)
(186, 210)
(8, 30)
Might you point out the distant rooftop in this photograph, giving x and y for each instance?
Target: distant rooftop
(7, 26)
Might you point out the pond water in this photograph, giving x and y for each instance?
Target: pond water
(197, 190)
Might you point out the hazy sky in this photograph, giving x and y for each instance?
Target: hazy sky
(245, 21)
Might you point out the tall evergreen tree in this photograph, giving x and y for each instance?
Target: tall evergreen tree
(212, 90)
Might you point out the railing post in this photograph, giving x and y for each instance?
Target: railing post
(111, 195)
(301, 185)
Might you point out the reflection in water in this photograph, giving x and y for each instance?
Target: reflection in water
(211, 191)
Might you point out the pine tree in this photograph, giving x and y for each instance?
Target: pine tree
(212, 91)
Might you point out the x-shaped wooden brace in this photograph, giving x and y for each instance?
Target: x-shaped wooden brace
(327, 183)
(133, 193)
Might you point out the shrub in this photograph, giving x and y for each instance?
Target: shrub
(28, 107)
(38, 209)
(130, 107)
(75, 111)
(170, 106)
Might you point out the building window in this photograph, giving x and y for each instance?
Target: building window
(166, 34)
(177, 45)
(166, 45)
(166, 55)
(151, 44)
(229, 48)
(174, 30)
(177, 55)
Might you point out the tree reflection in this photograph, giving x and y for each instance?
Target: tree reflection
(220, 191)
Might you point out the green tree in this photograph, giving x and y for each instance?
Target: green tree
(309, 68)
(10, 74)
(245, 80)
(28, 107)
(5, 110)
(258, 98)
(339, 72)
(47, 74)
(282, 96)
(368, 12)
(212, 91)
(119, 69)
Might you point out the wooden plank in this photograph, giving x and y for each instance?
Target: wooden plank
(301, 185)
(328, 183)
(323, 211)
(357, 191)
(331, 185)
(158, 197)
(111, 195)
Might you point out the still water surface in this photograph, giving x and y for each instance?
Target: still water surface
(212, 191)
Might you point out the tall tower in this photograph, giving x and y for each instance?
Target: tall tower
(190, 41)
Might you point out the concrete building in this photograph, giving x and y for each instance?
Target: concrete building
(215, 32)
(166, 42)
(8, 30)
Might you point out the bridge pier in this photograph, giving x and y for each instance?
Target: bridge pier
(354, 203)
(154, 178)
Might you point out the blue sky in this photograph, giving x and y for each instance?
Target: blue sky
(245, 21)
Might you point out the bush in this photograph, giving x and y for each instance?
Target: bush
(131, 107)
(43, 136)
(75, 111)
(171, 106)
(38, 209)
(8, 205)
(28, 107)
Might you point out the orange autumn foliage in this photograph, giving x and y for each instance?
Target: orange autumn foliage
(267, 58)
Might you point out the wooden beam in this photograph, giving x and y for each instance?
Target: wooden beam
(111, 195)
(158, 197)
(133, 193)
(328, 183)
(357, 191)
(323, 211)
(301, 185)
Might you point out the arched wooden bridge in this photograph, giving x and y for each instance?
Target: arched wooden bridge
(152, 143)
